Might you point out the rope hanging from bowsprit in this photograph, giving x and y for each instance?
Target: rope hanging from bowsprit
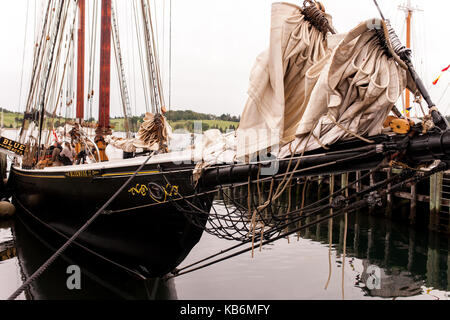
(371, 197)
(241, 218)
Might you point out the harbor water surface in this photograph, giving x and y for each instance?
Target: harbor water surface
(406, 264)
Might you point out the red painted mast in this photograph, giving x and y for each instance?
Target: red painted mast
(105, 69)
(80, 64)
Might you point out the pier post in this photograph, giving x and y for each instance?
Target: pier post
(332, 180)
(370, 237)
(388, 212)
(358, 184)
(308, 200)
(320, 182)
(413, 208)
(344, 183)
(318, 229)
(372, 182)
(433, 260)
(356, 235)
(226, 194)
(448, 267)
(435, 200)
(340, 249)
(411, 248)
(387, 243)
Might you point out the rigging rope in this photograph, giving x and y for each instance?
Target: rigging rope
(359, 204)
(92, 56)
(23, 57)
(141, 59)
(403, 177)
(44, 84)
(36, 70)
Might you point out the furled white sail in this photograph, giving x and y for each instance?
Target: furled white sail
(355, 93)
(309, 91)
(281, 80)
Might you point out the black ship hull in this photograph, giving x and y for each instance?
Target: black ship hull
(141, 230)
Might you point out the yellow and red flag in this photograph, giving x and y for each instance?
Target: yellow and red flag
(436, 81)
(443, 70)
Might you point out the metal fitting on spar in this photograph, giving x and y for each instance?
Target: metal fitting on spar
(430, 147)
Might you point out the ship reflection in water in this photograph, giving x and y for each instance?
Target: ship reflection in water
(383, 260)
(98, 278)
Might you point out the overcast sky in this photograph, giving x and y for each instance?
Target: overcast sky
(215, 43)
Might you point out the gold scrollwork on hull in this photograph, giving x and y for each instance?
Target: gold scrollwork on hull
(139, 189)
(157, 193)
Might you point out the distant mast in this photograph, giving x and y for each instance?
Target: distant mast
(105, 70)
(408, 9)
(81, 60)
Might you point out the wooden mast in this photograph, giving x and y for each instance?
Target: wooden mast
(408, 45)
(408, 9)
(80, 64)
(105, 69)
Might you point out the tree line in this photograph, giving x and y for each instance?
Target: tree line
(178, 115)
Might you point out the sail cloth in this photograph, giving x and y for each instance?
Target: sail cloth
(281, 80)
(310, 91)
(154, 135)
(354, 94)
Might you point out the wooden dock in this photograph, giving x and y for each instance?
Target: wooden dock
(426, 203)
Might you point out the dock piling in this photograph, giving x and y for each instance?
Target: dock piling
(413, 206)
(435, 200)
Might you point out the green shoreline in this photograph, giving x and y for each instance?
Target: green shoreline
(13, 120)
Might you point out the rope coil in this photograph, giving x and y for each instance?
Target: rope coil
(314, 12)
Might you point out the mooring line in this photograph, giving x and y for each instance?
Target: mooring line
(38, 272)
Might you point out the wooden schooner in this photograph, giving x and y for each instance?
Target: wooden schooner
(148, 236)
(327, 118)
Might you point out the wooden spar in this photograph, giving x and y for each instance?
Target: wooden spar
(408, 9)
(80, 64)
(105, 69)
(408, 45)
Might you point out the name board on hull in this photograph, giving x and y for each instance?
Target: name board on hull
(12, 146)
(82, 174)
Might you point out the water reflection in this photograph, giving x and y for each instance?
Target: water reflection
(383, 260)
(99, 279)
(7, 247)
(398, 261)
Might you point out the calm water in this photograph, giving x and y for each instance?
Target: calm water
(411, 265)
